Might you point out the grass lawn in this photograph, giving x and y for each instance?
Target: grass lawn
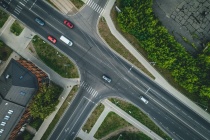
(77, 3)
(5, 51)
(93, 118)
(130, 136)
(140, 116)
(118, 47)
(54, 59)
(3, 18)
(60, 113)
(16, 28)
(111, 123)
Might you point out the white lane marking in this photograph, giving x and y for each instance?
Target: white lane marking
(32, 5)
(80, 115)
(176, 117)
(73, 113)
(17, 12)
(22, 3)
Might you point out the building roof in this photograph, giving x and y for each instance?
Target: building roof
(10, 114)
(17, 86)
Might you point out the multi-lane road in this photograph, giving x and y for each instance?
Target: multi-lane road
(94, 59)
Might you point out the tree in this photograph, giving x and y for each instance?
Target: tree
(45, 101)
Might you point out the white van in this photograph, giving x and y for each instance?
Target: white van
(66, 40)
(143, 99)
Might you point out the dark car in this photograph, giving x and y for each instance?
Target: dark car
(52, 39)
(4, 4)
(39, 21)
(68, 24)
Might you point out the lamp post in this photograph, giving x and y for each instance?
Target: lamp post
(119, 136)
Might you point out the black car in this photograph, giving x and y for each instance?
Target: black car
(4, 4)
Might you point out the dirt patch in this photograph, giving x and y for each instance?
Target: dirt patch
(32, 50)
(128, 129)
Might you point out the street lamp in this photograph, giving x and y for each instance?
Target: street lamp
(119, 136)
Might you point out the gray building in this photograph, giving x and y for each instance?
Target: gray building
(18, 85)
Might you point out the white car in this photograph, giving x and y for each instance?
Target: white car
(144, 100)
(107, 79)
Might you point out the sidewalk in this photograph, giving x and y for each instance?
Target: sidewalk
(158, 78)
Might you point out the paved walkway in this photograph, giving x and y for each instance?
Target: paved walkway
(158, 78)
(65, 6)
(109, 106)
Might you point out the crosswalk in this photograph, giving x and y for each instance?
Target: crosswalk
(89, 89)
(94, 6)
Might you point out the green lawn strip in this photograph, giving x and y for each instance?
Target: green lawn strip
(3, 18)
(60, 113)
(130, 136)
(16, 28)
(111, 123)
(93, 118)
(77, 3)
(140, 116)
(5, 51)
(54, 59)
(118, 47)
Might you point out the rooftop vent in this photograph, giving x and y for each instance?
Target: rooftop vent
(7, 76)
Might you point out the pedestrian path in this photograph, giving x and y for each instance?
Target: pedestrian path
(94, 6)
(89, 89)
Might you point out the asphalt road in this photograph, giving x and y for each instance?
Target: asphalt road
(94, 59)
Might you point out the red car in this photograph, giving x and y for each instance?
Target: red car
(68, 24)
(52, 39)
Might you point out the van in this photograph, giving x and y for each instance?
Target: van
(143, 99)
(66, 40)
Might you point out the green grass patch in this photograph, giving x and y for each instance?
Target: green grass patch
(5, 51)
(16, 28)
(140, 116)
(36, 123)
(116, 45)
(130, 136)
(3, 18)
(60, 113)
(54, 59)
(111, 123)
(93, 118)
(77, 3)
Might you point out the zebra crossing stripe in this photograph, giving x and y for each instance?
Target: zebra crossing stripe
(88, 2)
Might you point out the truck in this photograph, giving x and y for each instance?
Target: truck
(66, 40)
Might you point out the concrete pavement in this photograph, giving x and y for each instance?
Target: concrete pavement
(158, 78)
